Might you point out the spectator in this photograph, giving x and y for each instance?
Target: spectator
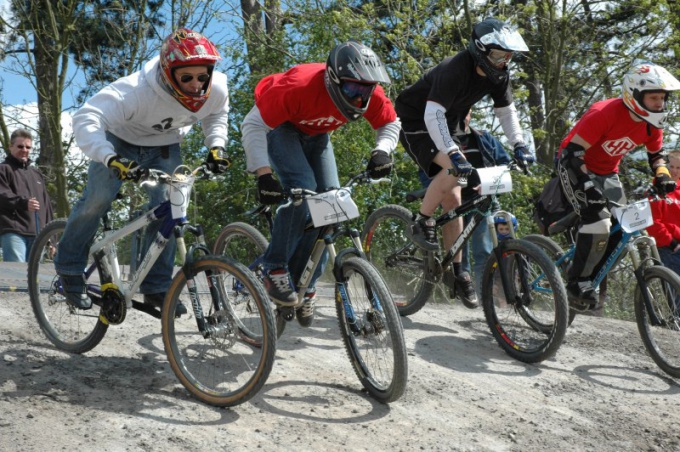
(666, 227)
(433, 107)
(24, 201)
(140, 120)
(289, 129)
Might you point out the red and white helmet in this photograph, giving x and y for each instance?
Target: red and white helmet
(644, 78)
(183, 48)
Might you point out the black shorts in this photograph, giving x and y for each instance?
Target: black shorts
(421, 148)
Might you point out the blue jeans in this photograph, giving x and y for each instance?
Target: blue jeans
(481, 243)
(670, 259)
(100, 191)
(15, 247)
(300, 161)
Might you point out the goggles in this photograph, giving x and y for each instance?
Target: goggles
(186, 78)
(499, 57)
(353, 90)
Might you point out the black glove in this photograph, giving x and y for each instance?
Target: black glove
(269, 189)
(590, 195)
(217, 160)
(663, 182)
(125, 169)
(523, 156)
(461, 166)
(380, 164)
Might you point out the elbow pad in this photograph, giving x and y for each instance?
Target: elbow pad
(572, 157)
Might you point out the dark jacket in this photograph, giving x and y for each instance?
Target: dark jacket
(19, 182)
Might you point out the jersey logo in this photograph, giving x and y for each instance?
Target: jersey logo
(322, 122)
(618, 148)
(166, 124)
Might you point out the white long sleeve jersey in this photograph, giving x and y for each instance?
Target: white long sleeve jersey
(138, 110)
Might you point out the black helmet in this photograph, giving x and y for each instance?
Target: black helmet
(493, 34)
(352, 72)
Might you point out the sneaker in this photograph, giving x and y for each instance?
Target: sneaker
(74, 291)
(582, 294)
(466, 290)
(305, 313)
(156, 300)
(425, 234)
(278, 285)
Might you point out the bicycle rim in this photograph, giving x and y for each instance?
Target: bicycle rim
(69, 329)
(245, 244)
(659, 322)
(233, 361)
(388, 245)
(371, 330)
(528, 319)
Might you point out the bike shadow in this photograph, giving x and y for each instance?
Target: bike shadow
(628, 379)
(143, 386)
(317, 401)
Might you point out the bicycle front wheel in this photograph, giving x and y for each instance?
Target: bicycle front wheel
(227, 359)
(371, 330)
(388, 244)
(659, 320)
(70, 329)
(245, 244)
(554, 251)
(528, 317)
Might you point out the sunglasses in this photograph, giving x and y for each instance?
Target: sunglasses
(499, 57)
(352, 90)
(186, 78)
(23, 146)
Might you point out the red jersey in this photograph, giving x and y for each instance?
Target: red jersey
(666, 216)
(612, 134)
(299, 96)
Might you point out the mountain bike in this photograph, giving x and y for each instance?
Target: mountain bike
(528, 324)
(657, 288)
(369, 323)
(222, 354)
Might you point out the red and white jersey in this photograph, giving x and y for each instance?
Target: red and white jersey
(299, 96)
(612, 134)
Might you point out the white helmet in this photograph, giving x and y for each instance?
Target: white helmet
(648, 77)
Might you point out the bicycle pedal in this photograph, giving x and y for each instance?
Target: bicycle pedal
(288, 313)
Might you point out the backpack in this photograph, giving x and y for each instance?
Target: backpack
(551, 205)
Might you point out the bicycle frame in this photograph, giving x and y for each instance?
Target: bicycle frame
(105, 254)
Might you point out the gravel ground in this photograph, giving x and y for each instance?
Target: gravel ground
(601, 392)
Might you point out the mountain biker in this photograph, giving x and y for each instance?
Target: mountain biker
(482, 150)
(288, 131)
(589, 159)
(431, 109)
(138, 122)
(666, 227)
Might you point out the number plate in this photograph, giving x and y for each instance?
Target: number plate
(331, 207)
(635, 216)
(495, 180)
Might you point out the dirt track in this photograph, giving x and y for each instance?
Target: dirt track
(601, 392)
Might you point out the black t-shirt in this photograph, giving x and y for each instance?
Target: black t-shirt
(454, 84)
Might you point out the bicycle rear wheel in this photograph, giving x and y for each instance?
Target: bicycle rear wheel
(528, 318)
(230, 361)
(371, 330)
(245, 244)
(388, 244)
(659, 322)
(68, 328)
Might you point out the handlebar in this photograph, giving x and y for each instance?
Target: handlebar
(297, 195)
(514, 165)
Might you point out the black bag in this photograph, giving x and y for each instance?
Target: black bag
(551, 205)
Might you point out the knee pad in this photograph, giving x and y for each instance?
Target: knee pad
(599, 227)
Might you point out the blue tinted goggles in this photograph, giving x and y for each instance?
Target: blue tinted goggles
(353, 90)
